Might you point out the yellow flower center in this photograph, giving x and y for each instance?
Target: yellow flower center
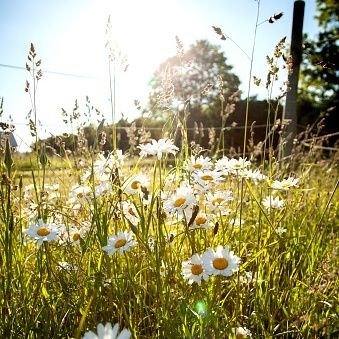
(217, 201)
(286, 184)
(179, 202)
(207, 177)
(197, 166)
(196, 269)
(220, 263)
(240, 336)
(135, 185)
(80, 195)
(43, 231)
(76, 236)
(200, 220)
(119, 243)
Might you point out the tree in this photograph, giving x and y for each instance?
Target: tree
(319, 90)
(194, 79)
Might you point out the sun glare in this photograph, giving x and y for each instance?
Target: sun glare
(144, 29)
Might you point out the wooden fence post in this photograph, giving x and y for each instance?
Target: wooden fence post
(290, 110)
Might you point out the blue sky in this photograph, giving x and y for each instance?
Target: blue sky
(69, 38)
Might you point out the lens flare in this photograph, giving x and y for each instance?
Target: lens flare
(201, 308)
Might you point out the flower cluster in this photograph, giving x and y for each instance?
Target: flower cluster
(45, 232)
(200, 197)
(221, 261)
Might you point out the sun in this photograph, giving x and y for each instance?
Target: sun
(142, 34)
(145, 29)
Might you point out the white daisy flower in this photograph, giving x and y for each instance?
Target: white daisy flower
(242, 333)
(51, 187)
(50, 192)
(205, 180)
(183, 198)
(193, 270)
(236, 165)
(218, 200)
(108, 163)
(158, 148)
(30, 211)
(255, 175)
(103, 189)
(198, 164)
(42, 232)
(108, 332)
(120, 242)
(222, 165)
(285, 184)
(79, 194)
(220, 262)
(130, 212)
(247, 278)
(280, 230)
(103, 167)
(273, 203)
(202, 220)
(66, 266)
(72, 234)
(134, 183)
(237, 222)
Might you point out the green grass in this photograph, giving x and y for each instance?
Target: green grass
(284, 286)
(294, 291)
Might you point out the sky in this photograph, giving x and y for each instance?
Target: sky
(69, 38)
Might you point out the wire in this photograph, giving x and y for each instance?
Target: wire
(152, 128)
(54, 72)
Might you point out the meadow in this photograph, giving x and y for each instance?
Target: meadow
(176, 241)
(187, 245)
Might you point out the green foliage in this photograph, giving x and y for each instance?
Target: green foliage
(196, 78)
(66, 287)
(319, 73)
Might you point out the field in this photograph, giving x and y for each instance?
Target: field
(172, 245)
(172, 237)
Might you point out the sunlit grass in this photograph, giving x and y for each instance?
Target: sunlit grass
(286, 282)
(173, 242)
